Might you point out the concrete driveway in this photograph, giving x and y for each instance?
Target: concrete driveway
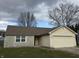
(74, 50)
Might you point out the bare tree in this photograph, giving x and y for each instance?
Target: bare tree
(33, 22)
(22, 19)
(65, 14)
(27, 19)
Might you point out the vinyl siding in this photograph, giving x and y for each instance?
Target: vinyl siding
(10, 41)
(62, 31)
(45, 41)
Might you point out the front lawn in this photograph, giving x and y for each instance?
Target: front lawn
(33, 53)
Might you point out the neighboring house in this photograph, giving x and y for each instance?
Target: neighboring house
(2, 35)
(27, 37)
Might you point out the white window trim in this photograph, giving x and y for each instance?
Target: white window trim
(20, 39)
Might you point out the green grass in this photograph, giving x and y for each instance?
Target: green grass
(30, 52)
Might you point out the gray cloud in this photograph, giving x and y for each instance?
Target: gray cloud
(14, 7)
(10, 9)
(32, 3)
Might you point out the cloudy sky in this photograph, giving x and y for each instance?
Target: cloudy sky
(10, 10)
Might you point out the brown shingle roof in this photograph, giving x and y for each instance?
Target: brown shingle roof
(16, 30)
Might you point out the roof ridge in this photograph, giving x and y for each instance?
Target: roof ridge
(29, 27)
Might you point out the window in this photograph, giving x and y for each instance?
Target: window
(20, 38)
(23, 39)
(17, 38)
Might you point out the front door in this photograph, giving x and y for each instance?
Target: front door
(36, 42)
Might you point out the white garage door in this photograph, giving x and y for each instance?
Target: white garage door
(64, 41)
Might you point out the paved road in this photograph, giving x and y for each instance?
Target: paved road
(74, 50)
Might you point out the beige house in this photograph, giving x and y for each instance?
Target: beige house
(28, 37)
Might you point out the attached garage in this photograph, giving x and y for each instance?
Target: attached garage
(62, 37)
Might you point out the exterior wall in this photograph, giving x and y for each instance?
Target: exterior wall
(62, 38)
(10, 41)
(44, 41)
(62, 31)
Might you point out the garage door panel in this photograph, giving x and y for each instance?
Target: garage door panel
(63, 41)
(62, 36)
